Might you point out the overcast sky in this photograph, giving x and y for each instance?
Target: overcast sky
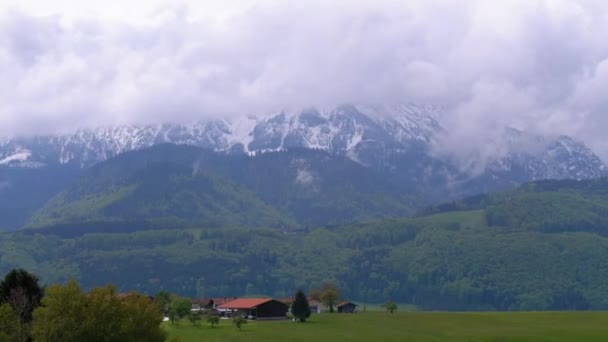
(541, 66)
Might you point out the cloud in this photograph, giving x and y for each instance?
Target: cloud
(536, 65)
(304, 177)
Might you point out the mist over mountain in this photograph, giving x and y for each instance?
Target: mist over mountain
(396, 150)
(370, 135)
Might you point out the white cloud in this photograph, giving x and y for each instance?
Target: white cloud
(304, 177)
(533, 64)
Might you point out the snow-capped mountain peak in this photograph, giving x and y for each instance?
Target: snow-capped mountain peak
(373, 135)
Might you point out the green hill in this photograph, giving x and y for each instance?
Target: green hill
(465, 259)
(549, 206)
(168, 194)
(181, 186)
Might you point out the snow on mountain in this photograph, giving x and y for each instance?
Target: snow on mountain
(17, 157)
(337, 130)
(372, 135)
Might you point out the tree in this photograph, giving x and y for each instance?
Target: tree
(20, 289)
(11, 328)
(300, 308)
(239, 321)
(69, 315)
(213, 320)
(390, 306)
(315, 294)
(194, 318)
(330, 295)
(142, 319)
(61, 314)
(105, 323)
(163, 300)
(179, 308)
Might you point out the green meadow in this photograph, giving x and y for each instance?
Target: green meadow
(410, 326)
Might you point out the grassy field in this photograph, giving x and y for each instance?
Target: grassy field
(411, 326)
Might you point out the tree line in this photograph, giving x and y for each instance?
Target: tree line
(30, 311)
(65, 313)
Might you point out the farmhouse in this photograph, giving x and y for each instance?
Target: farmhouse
(203, 304)
(255, 308)
(346, 307)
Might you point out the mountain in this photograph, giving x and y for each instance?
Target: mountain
(381, 137)
(396, 143)
(179, 185)
(548, 254)
(25, 190)
(339, 130)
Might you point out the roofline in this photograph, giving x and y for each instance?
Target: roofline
(228, 306)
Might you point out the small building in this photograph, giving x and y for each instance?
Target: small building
(346, 307)
(315, 306)
(255, 308)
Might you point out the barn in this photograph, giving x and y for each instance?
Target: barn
(255, 308)
(346, 307)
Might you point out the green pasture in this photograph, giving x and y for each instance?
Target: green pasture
(410, 326)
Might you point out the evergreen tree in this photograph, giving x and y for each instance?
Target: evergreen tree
(20, 289)
(300, 308)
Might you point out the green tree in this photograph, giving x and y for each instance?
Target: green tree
(69, 315)
(330, 295)
(105, 322)
(11, 327)
(142, 319)
(300, 308)
(213, 320)
(61, 315)
(194, 318)
(179, 308)
(315, 294)
(390, 306)
(163, 300)
(20, 289)
(239, 321)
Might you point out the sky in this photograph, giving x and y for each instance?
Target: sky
(539, 66)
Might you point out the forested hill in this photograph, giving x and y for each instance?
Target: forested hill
(542, 246)
(185, 186)
(548, 206)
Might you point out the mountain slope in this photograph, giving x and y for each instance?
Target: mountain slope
(183, 185)
(398, 139)
(452, 260)
(397, 146)
(546, 206)
(25, 190)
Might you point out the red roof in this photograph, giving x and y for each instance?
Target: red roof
(345, 303)
(244, 303)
